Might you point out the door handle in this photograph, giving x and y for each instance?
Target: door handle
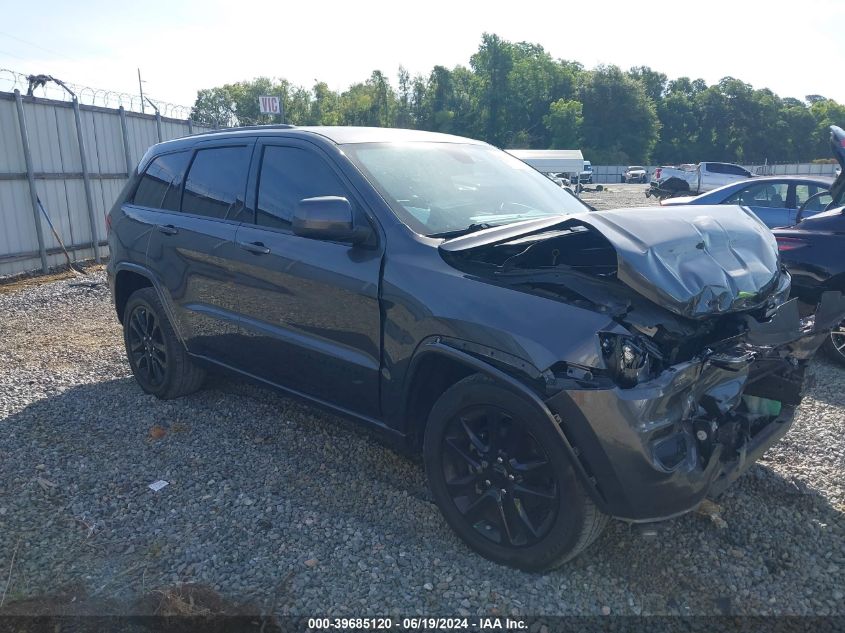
(254, 247)
(167, 229)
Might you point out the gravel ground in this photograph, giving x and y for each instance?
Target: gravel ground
(275, 502)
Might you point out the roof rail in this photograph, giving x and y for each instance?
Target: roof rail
(274, 126)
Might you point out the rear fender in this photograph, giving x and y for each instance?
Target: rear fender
(159, 289)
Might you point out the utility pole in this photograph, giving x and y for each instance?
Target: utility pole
(141, 88)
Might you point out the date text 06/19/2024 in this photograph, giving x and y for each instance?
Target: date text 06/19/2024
(418, 624)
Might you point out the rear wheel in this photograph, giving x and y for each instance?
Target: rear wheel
(834, 345)
(158, 358)
(500, 474)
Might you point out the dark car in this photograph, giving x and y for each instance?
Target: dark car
(812, 250)
(773, 199)
(554, 366)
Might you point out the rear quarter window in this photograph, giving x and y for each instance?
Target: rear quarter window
(161, 183)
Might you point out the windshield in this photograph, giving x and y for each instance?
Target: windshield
(439, 189)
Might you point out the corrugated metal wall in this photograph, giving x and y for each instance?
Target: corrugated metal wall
(57, 173)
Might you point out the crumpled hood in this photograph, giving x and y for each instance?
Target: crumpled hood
(696, 261)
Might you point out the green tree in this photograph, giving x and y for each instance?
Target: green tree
(826, 112)
(215, 107)
(564, 122)
(325, 105)
(620, 122)
(516, 95)
(492, 64)
(403, 109)
(653, 82)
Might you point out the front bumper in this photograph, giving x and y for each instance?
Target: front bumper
(640, 444)
(656, 450)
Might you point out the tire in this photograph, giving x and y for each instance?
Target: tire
(834, 344)
(159, 360)
(531, 483)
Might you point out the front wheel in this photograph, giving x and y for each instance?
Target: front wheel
(158, 358)
(502, 478)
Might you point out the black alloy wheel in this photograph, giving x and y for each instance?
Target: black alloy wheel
(147, 350)
(500, 472)
(499, 477)
(159, 360)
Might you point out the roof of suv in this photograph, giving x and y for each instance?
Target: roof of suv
(338, 135)
(343, 135)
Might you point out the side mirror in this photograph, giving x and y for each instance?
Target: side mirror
(813, 205)
(327, 218)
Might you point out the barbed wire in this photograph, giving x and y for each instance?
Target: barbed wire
(11, 80)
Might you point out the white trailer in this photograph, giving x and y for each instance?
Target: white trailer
(553, 161)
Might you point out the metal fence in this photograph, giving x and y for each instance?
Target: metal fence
(613, 173)
(68, 161)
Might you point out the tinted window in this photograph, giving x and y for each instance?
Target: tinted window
(216, 182)
(288, 175)
(736, 170)
(715, 168)
(159, 186)
(764, 194)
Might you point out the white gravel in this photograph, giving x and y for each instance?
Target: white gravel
(280, 503)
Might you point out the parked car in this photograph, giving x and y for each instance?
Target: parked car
(586, 176)
(773, 199)
(812, 249)
(554, 366)
(694, 179)
(635, 173)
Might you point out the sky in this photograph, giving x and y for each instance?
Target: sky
(794, 48)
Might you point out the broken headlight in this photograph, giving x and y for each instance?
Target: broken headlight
(627, 359)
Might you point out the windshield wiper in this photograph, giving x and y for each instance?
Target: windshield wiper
(472, 228)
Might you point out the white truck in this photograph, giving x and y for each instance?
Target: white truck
(687, 180)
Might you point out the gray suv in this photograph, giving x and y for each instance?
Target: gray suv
(554, 366)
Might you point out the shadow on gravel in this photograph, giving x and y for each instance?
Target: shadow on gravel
(278, 505)
(185, 607)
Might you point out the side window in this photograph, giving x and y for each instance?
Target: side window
(818, 204)
(289, 174)
(216, 182)
(803, 192)
(715, 168)
(764, 194)
(736, 170)
(159, 186)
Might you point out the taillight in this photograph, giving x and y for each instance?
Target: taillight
(108, 223)
(657, 173)
(789, 243)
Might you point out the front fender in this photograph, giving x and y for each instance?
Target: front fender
(448, 348)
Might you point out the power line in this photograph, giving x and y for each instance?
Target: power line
(43, 48)
(12, 55)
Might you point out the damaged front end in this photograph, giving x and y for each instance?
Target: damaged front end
(702, 364)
